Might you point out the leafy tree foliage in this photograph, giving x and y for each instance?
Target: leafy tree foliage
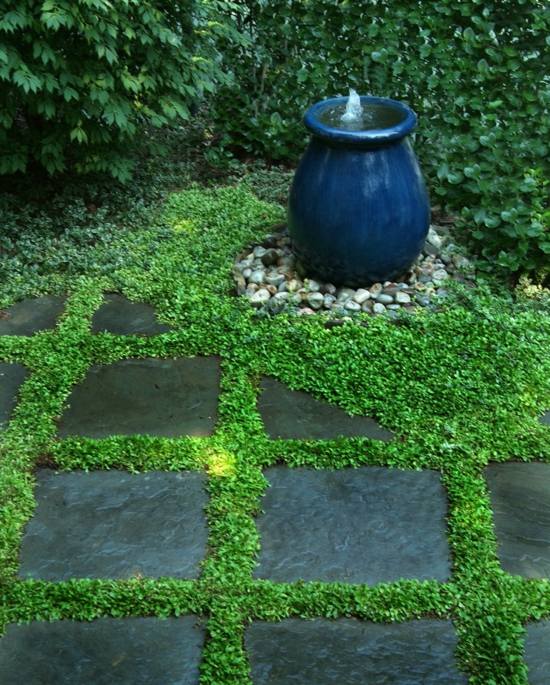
(78, 77)
(473, 70)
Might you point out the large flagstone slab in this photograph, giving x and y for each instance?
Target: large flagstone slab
(11, 378)
(107, 651)
(351, 652)
(520, 498)
(121, 316)
(163, 397)
(365, 525)
(537, 653)
(31, 315)
(292, 414)
(114, 524)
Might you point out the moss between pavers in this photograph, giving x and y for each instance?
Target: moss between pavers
(459, 388)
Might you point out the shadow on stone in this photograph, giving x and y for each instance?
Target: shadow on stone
(106, 651)
(351, 652)
(11, 378)
(163, 397)
(537, 652)
(292, 414)
(31, 315)
(520, 497)
(121, 316)
(365, 525)
(113, 524)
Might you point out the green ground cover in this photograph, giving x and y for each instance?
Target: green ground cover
(460, 387)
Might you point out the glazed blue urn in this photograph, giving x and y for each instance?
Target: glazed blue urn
(358, 210)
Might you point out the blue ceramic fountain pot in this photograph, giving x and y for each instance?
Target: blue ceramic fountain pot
(359, 210)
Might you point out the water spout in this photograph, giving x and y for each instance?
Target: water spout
(354, 111)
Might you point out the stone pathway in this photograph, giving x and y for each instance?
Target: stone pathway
(361, 526)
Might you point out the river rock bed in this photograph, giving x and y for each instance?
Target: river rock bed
(266, 274)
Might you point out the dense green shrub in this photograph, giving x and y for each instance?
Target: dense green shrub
(474, 72)
(78, 77)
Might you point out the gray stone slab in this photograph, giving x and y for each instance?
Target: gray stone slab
(164, 397)
(545, 418)
(131, 651)
(31, 315)
(350, 652)
(113, 524)
(291, 414)
(364, 525)
(537, 653)
(520, 497)
(11, 378)
(121, 316)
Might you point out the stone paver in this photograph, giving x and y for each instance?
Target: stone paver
(164, 397)
(520, 496)
(537, 652)
(11, 378)
(113, 524)
(132, 651)
(292, 414)
(31, 315)
(350, 652)
(363, 525)
(123, 317)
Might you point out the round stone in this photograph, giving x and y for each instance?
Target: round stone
(270, 257)
(375, 289)
(312, 285)
(260, 297)
(344, 294)
(247, 272)
(378, 308)
(433, 238)
(361, 296)
(275, 279)
(315, 300)
(402, 298)
(352, 306)
(259, 252)
(257, 277)
(328, 301)
(329, 288)
(383, 298)
(440, 275)
(293, 285)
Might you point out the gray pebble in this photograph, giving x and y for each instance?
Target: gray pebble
(361, 296)
(383, 298)
(378, 308)
(257, 277)
(316, 300)
(260, 297)
(402, 298)
(352, 306)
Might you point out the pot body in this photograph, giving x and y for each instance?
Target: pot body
(358, 214)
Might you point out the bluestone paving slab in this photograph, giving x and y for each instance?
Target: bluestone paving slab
(163, 397)
(121, 316)
(520, 497)
(537, 653)
(131, 651)
(31, 315)
(291, 414)
(350, 652)
(114, 524)
(364, 525)
(11, 378)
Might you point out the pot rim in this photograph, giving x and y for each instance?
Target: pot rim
(373, 136)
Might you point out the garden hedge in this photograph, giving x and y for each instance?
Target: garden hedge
(80, 78)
